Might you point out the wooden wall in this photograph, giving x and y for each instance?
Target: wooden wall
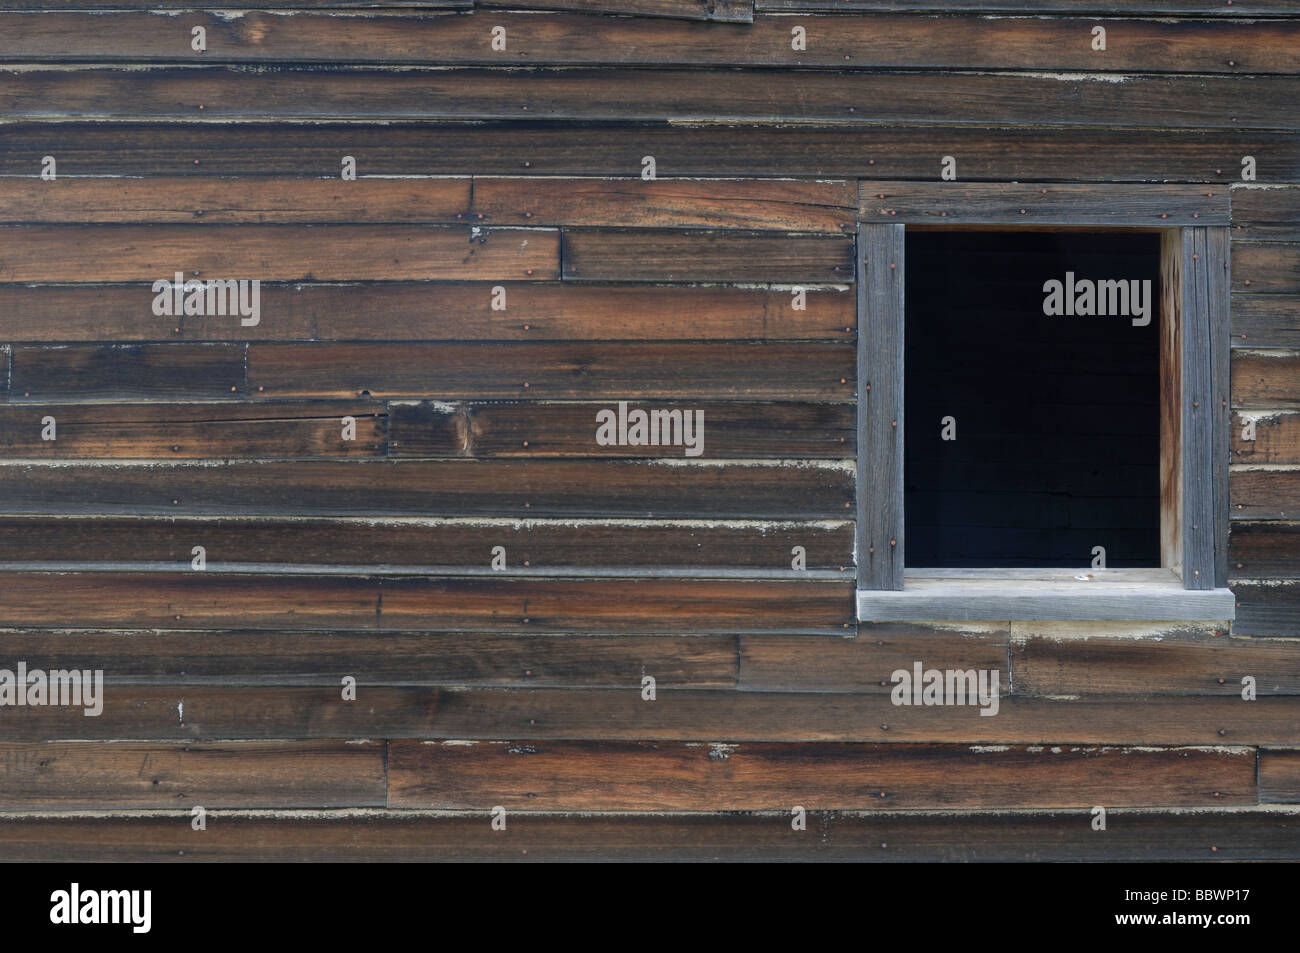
(370, 558)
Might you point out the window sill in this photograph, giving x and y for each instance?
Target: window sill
(1011, 595)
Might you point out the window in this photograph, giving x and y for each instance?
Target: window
(1075, 436)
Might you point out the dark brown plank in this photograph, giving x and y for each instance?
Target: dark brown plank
(1267, 607)
(986, 203)
(1260, 834)
(217, 658)
(664, 605)
(691, 714)
(1057, 658)
(1265, 493)
(743, 430)
(611, 371)
(1276, 436)
(667, 203)
(1266, 212)
(1265, 379)
(236, 201)
(1268, 550)
(664, 255)
(1279, 776)
(710, 150)
(227, 774)
(394, 311)
(218, 93)
(1209, 8)
(1266, 267)
(272, 252)
(206, 4)
(1265, 320)
(499, 488)
(214, 600)
(128, 371)
(876, 41)
(426, 545)
(866, 662)
(631, 777)
(175, 431)
(741, 11)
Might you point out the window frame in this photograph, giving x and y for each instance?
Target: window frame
(1195, 250)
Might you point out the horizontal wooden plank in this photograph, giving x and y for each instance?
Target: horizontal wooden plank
(874, 41)
(711, 149)
(1265, 320)
(661, 255)
(174, 431)
(1207, 8)
(631, 777)
(1279, 776)
(127, 371)
(535, 488)
(1266, 267)
(212, 600)
(210, 4)
(768, 95)
(1267, 607)
(1268, 549)
(713, 203)
(693, 714)
(388, 546)
(272, 252)
(1199, 834)
(1265, 212)
(1271, 493)
(1094, 658)
(1276, 436)
(743, 430)
(251, 657)
(1265, 379)
(395, 311)
(740, 11)
(612, 371)
(987, 203)
(867, 661)
(229, 774)
(281, 199)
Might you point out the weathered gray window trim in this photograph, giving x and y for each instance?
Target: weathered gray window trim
(1192, 584)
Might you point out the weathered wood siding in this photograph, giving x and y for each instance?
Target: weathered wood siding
(370, 558)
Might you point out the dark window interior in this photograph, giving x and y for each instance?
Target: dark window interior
(1057, 443)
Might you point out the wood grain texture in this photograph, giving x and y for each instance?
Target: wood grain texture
(281, 199)
(81, 253)
(194, 431)
(664, 255)
(1265, 493)
(1206, 8)
(679, 714)
(1198, 834)
(769, 95)
(525, 147)
(846, 777)
(1279, 776)
(128, 371)
(875, 41)
(380, 546)
(880, 402)
(784, 430)
(229, 774)
(985, 203)
(1266, 212)
(740, 11)
(1265, 320)
(687, 373)
(1194, 659)
(1266, 267)
(1269, 549)
(498, 488)
(1267, 607)
(203, 600)
(179, 659)
(1204, 310)
(396, 311)
(1265, 379)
